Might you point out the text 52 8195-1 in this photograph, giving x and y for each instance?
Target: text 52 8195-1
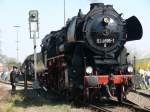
(101, 41)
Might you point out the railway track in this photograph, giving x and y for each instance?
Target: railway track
(105, 106)
(20, 83)
(142, 93)
(99, 108)
(115, 106)
(135, 107)
(111, 105)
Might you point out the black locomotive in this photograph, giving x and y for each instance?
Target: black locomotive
(87, 56)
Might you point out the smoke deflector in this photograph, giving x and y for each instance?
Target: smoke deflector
(134, 29)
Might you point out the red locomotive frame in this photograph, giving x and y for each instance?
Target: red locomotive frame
(59, 62)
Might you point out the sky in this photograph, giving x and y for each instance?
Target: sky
(15, 12)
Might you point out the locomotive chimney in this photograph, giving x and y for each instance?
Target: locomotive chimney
(93, 5)
(109, 6)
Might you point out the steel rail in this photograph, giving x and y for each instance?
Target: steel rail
(136, 107)
(99, 108)
(141, 93)
(126, 104)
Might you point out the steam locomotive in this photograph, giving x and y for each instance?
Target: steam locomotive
(87, 57)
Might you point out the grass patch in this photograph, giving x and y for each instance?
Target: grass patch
(30, 102)
(24, 103)
(9, 107)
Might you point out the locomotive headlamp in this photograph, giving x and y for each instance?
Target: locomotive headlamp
(106, 20)
(130, 68)
(89, 70)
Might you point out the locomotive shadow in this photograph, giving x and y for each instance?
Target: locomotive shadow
(32, 98)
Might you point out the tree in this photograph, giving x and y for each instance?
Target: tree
(9, 62)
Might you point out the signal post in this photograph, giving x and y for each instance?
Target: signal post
(34, 34)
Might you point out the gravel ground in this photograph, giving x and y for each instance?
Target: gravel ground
(122, 109)
(139, 99)
(146, 91)
(4, 95)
